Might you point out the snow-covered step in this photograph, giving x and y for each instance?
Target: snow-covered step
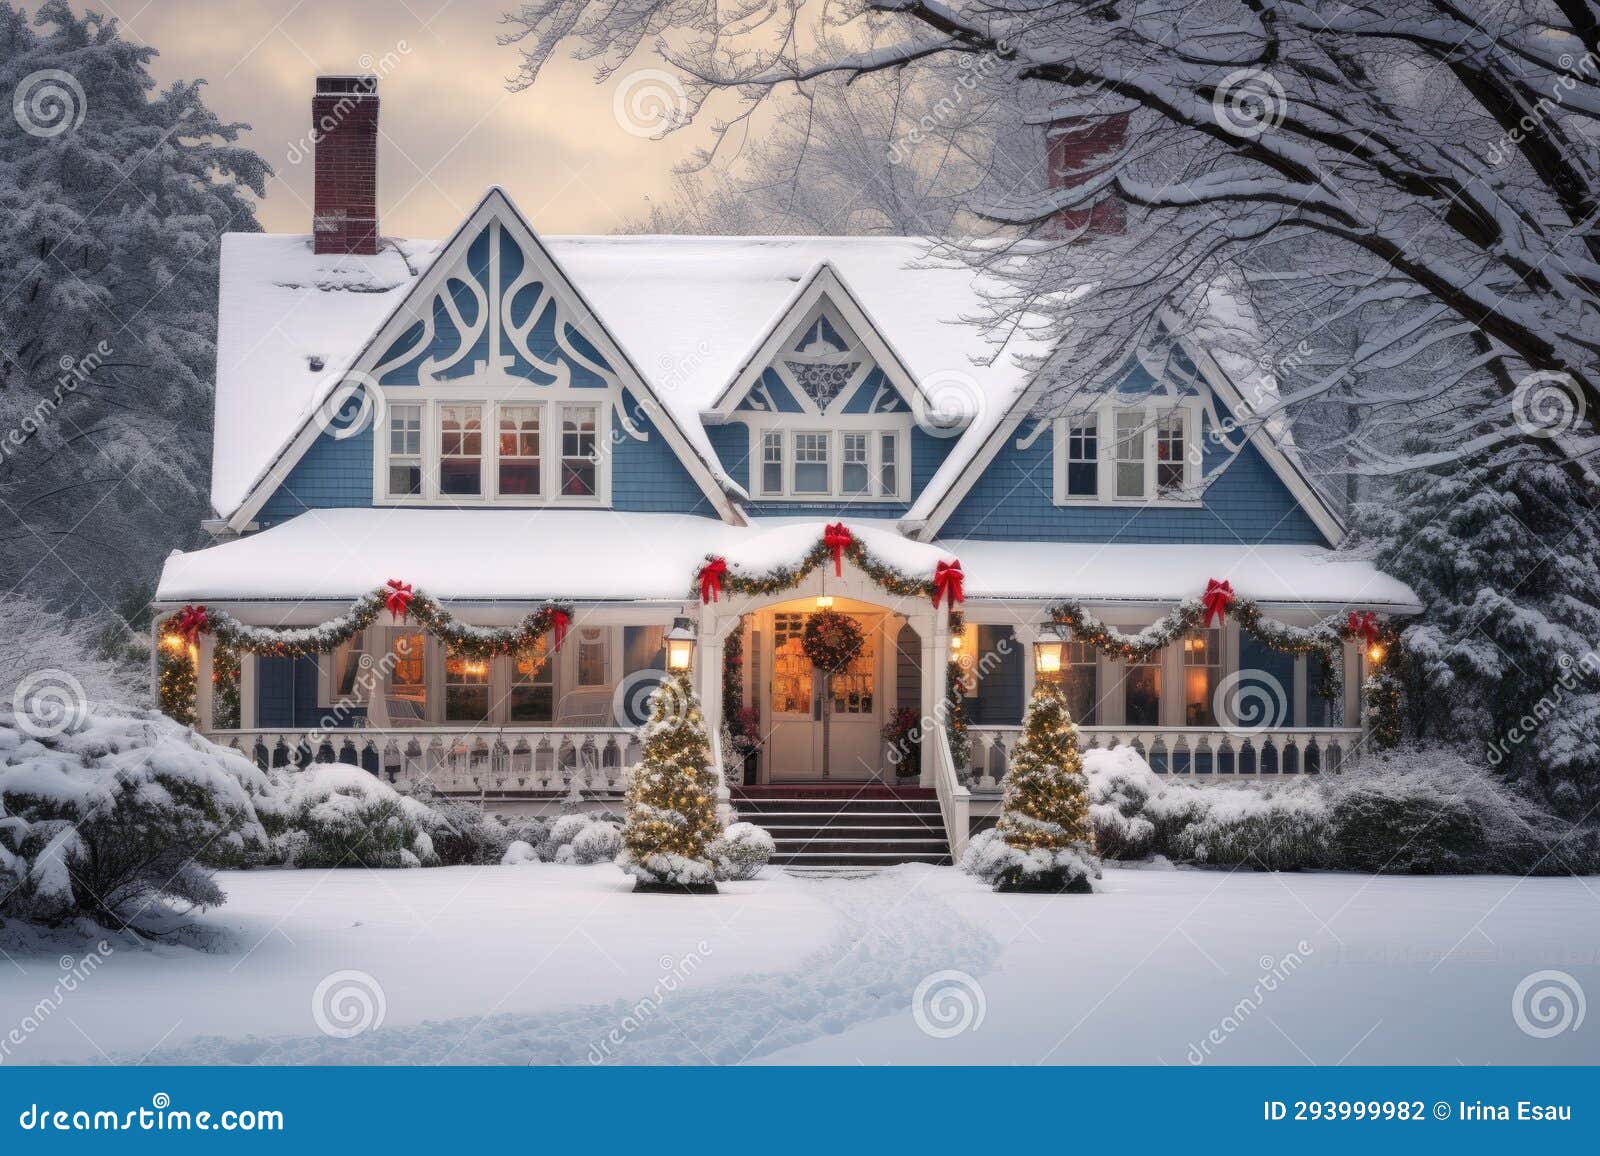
(832, 827)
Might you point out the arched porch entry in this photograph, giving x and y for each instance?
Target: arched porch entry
(908, 642)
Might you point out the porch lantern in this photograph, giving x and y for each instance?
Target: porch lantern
(1048, 648)
(824, 601)
(680, 645)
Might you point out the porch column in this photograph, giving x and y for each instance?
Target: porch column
(1027, 634)
(204, 692)
(712, 632)
(933, 628)
(247, 691)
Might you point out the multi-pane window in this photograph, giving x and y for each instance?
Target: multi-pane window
(461, 450)
(888, 465)
(466, 688)
(579, 456)
(1202, 664)
(407, 700)
(405, 450)
(532, 697)
(772, 462)
(592, 657)
(1083, 456)
(853, 462)
(1080, 681)
(1170, 451)
(519, 450)
(1130, 453)
(1141, 689)
(347, 664)
(811, 463)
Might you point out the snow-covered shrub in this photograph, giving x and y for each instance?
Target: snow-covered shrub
(527, 829)
(597, 843)
(519, 854)
(462, 832)
(1284, 829)
(115, 815)
(338, 815)
(741, 851)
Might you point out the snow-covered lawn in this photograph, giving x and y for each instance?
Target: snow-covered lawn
(563, 964)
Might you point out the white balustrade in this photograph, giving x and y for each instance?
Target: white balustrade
(458, 760)
(1196, 754)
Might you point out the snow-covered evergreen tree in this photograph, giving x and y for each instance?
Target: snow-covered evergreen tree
(114, 197)
(672, 795)
(38, 641)
(1506, 560)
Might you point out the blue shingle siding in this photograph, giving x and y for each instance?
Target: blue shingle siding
(647, 475)
(732, 445)
(333, 473)
(1246, 503)
(861, 400)
(1269, 674)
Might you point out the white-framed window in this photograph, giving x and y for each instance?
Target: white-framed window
(466, 688)
(407, 697)
(461, 449)
(1202, 667)
(405, 450)
(580, 458)
(805, 464)
(592, 657)
(339, 672)
(532, 698)
(520, 468)
(1141, 691)
(811, 472)
(1128, 453)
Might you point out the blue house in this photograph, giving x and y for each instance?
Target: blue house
(508, 421)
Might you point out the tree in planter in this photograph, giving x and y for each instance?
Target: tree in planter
(672, 798)
(1044, 841)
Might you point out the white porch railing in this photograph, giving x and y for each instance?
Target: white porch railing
(512, 760)
(955, 801)
(1202, 754)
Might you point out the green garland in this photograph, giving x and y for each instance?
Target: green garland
(781, 578)
(176, 662)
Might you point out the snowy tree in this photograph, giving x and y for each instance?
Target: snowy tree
(1044, 840)
(46, 646)
(672, 796)
(114, 197)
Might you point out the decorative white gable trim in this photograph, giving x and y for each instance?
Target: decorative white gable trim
(496, 209)
(820, 290)
(1285, 466)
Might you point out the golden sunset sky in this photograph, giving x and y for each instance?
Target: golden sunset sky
(450, 126)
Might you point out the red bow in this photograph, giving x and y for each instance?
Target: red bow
(836, 538)
(191, 621)
(1364, 626)
(559, 621)
(398, 600)
(1217, 598)
(711, 579)
(947, 580)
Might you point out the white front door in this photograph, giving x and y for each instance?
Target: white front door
(795, 707)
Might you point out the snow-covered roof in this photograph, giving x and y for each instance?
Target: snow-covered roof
(504, 555)
(686, 310)
(1137, 572)
(601, 555)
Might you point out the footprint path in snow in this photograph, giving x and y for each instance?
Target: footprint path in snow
(892, 935)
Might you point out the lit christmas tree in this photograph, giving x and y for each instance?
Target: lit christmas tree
(1044, 841)
(672, 798)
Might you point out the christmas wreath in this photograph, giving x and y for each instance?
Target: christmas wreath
(831, 640)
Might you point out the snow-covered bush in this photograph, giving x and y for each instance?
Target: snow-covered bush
(741, 851)
(527, 829)
(519, 854)
(338, 815)
(462, 832)
(116, 815)
(599, 842)
(1285, 829)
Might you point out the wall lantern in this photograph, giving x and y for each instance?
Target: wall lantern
(680, 645)
(824, 601)
(1048, 648)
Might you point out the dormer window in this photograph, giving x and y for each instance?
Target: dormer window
(861, 460)
(1119, 453)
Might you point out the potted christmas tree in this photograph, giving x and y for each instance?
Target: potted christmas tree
(672, 798)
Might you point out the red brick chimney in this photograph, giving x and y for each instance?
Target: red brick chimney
(1073, 146)
(344, 125)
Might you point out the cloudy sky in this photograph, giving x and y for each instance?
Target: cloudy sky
(450, 126)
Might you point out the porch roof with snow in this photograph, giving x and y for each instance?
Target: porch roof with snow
(525, 555)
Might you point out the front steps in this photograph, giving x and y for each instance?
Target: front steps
(848, 826)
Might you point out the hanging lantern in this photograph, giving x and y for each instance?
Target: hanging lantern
(680, 645)
(1048, 650)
